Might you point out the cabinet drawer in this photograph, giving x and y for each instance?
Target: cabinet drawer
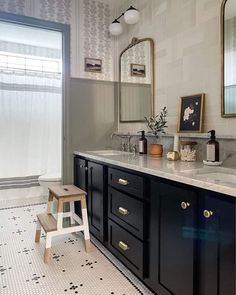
(126, 247)
(126, 211)
(127, 182)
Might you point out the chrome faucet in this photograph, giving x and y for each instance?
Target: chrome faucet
(124, 146)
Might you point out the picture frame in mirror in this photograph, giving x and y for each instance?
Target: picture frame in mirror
(138, 70)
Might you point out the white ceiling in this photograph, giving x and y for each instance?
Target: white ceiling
(30, 36)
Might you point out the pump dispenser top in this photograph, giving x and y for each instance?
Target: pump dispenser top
(213, 134)
(213, 148)
(142, 143)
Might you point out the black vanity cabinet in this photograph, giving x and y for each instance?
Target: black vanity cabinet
(127, 232)
(172, 221)
(179, 239)
(97, 203)
(80, 179)
(216, 244)
(90, 177)
(192, 241)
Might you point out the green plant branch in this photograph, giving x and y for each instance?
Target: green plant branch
(158, 123)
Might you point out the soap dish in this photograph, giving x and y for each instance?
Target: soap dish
(209, 163)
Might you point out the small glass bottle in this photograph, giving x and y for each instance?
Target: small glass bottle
(188, 151)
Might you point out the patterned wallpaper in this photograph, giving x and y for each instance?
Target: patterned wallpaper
(96, 39)
(138, 54)
(13, 6)
(56, 10)
(89, 20)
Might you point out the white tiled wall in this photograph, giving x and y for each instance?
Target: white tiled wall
(187, 56)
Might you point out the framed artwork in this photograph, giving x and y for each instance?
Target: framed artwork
(92, 65)
(138, 70)
(191, 113)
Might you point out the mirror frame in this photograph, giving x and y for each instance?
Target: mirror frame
(134, 42)
(222, 37)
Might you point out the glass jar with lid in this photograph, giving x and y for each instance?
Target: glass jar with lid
(188, 151)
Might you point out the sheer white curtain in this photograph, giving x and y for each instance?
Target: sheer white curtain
(30, 123)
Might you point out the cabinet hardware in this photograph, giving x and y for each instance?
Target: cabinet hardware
(123, 181)
(123, 246)
(185, 205)
(207, 213)
(86, 168)
(123, 211)
(81, 166)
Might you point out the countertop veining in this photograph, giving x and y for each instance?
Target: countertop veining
(183, 172)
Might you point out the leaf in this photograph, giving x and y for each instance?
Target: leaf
(157, 123)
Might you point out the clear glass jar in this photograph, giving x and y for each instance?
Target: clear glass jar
(188, 151)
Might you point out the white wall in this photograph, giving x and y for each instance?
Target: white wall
(187, 56)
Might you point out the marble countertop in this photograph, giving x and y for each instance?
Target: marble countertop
(192, 173)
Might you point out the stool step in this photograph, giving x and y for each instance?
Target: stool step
(48, 222)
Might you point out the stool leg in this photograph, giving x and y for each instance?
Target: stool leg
(47, 249)
(72, 211)
(60, 207)
(50, 201)
(38, 232)
(85, 223)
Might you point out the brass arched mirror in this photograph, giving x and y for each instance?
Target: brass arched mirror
(228, 56)
(136, 80)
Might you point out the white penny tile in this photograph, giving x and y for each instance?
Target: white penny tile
(70, 271)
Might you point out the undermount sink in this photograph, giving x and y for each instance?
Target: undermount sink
(219, 176)
(110, 153)
(216, 174)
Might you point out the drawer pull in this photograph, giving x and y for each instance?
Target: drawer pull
(123, 181)
(185, 205)
(123, 246)
(207, 213)
(123, 211)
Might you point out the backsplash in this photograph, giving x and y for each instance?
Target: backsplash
(227, 146)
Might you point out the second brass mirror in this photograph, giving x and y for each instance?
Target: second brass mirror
(136, 81)
(228, 53)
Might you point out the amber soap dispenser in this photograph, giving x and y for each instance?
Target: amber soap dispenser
(212, 148)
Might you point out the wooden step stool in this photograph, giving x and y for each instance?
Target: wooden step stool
(53, 227)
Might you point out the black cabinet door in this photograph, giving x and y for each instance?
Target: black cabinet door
(216, 244)
(97, 205)
(172, 244)
(80, 179)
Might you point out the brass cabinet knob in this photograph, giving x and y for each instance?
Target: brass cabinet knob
(123, 211)
(123, 246)
(185, 205)
(207, 213)
(123, 181)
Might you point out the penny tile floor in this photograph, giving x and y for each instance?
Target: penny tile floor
(70, 271)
